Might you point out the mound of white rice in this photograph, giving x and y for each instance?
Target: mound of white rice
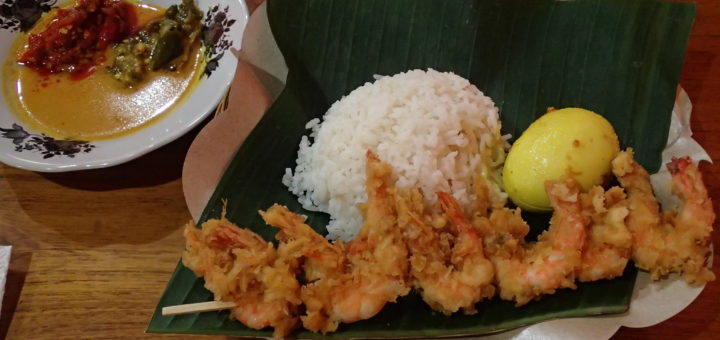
(435, 129)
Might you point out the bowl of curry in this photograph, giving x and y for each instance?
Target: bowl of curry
(94, 83)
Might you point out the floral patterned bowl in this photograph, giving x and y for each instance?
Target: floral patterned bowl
(22, 147)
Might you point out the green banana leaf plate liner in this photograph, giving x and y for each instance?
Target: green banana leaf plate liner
(619, 58)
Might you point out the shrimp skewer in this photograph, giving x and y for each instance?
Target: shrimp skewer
(347, 283)
(527, 271)
(675, 242)
(239, 266)
(448, 278)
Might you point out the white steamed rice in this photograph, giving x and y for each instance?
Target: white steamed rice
(433, 128)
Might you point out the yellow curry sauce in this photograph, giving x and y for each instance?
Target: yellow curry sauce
(96, 107)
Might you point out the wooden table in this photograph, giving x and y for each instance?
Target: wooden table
(93, 250)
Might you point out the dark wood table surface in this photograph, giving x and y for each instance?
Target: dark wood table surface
(93, 250)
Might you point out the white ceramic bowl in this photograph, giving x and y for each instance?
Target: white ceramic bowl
(23, 147)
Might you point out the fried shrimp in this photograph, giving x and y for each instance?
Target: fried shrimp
(239, 266)
(454, 259)
(693, 222)
(324, 264)
(347, 283)
(447, 260)
(674, 242)
(527, 271)
(609, 243)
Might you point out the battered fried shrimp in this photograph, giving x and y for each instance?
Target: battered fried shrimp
(324, 264)
(380, 242)
(503, 233)
(347, 283)
(524, 272)
(674, 242)
(447, 261)
(609, 243)
(239, 266)
(693, 222)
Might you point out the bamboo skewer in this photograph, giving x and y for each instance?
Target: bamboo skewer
(200, 307)
(223, 104)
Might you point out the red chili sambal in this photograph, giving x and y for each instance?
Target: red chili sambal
(75, 39)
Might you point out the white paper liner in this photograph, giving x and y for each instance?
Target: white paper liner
(680, 143)
(652, 302)
(4, 265)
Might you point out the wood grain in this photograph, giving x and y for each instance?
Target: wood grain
(75, 294)
(93, 250)
(106, 213)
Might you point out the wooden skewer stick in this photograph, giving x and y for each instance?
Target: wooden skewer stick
(197, 307)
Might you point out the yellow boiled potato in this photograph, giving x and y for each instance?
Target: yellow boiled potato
(568, 141)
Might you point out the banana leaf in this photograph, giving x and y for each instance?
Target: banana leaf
(619, 58)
